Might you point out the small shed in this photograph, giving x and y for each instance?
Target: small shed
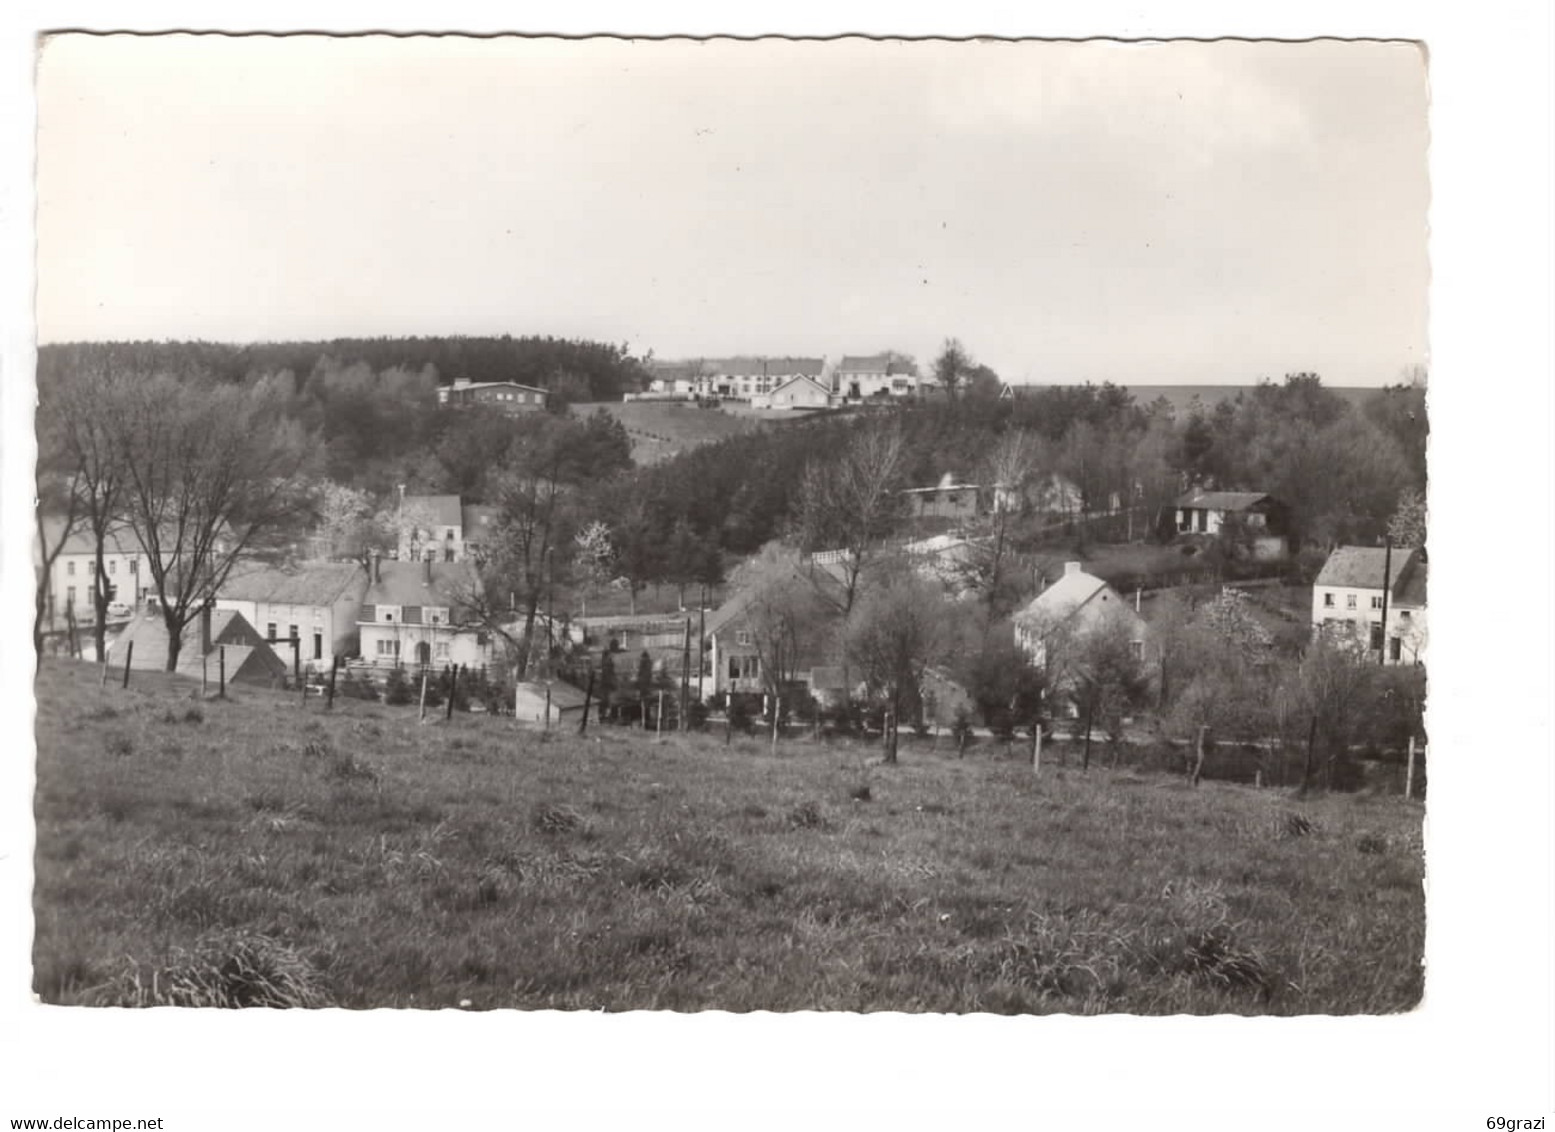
(530, 698)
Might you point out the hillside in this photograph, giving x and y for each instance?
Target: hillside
(662, 429)
(251, 851)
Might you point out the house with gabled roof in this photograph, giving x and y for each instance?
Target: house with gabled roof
(533, 698)
(800, 392)
(216, 640)
(861, 377)
(1375, 597)
(316, 604)
(419, 613)
(1074, 606)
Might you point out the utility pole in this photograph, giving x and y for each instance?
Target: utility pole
(685, 675)
(701, 638)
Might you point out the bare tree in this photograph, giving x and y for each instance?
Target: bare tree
(786, 620)
(529, 533)
(953, 366)
(898, 629)
(852, 503)
(209, 472)
(80, 418)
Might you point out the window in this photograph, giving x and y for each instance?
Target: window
(388, 648)
(1395, 649)
(70, 568)
(441, 649)
(318, 646)
(1328, 601)
(1376, 635)
(1404, 615)
(270, 630)
(70, 596)
(1376, 601)
(1349, 601)
(135, 566)
(744, 668)
(293, 633)
(113, 565)
(742, 637)
(1137, 648)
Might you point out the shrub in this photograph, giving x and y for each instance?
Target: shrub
(553, 819)
(226, 969)
(355, 689)
(397, 689)
(347, 768)
(194, 715)
(807, 815)
(121, 746)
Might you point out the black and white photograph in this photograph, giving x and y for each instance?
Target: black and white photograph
(583, 526)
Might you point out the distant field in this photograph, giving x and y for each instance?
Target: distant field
(660, 430)
(253, 852)
(1182, 395)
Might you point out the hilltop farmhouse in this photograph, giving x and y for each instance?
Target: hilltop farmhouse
(509, 396)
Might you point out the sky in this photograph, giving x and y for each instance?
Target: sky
(1178, 213)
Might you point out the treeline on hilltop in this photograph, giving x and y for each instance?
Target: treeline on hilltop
(572, 369)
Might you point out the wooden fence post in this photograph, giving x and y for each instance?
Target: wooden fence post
(588, 698)
(334, 666)
(129, 652)
(423, 714)
(221, 671)
(453, 686)
(658, 722)
(1409, 773)
(205, 662)
(548, 707)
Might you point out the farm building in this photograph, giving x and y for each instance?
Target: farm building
(1350, 592)
(945, 500)
(509, 396)
(318, 604)
(213, 639)
(1207, 512)
(800, 393)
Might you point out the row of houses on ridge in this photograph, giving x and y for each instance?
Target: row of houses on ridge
(786, 382)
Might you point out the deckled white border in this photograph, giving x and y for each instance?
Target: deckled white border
(1480, 1047)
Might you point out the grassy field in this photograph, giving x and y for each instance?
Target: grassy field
(662, 429)
(255, 852)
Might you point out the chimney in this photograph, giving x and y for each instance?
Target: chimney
(205, 628)
(1071, 567)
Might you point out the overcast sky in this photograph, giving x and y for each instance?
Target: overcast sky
(1178, 213)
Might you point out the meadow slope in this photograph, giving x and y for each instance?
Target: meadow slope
(253, 851)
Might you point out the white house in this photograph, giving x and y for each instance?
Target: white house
(860, 377)
(509, 396)
(800, 393)
(318, 605)
(1074, 606)
(417, 613)
(1348, 597)
(126, 571)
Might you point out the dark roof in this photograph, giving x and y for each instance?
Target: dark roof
(317, 584)
(865, 363)
(1360, 567)
(148, 632)
(1221, 500)
(807, 367)
(1412, 591)
(405, 583)
(445, 510)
